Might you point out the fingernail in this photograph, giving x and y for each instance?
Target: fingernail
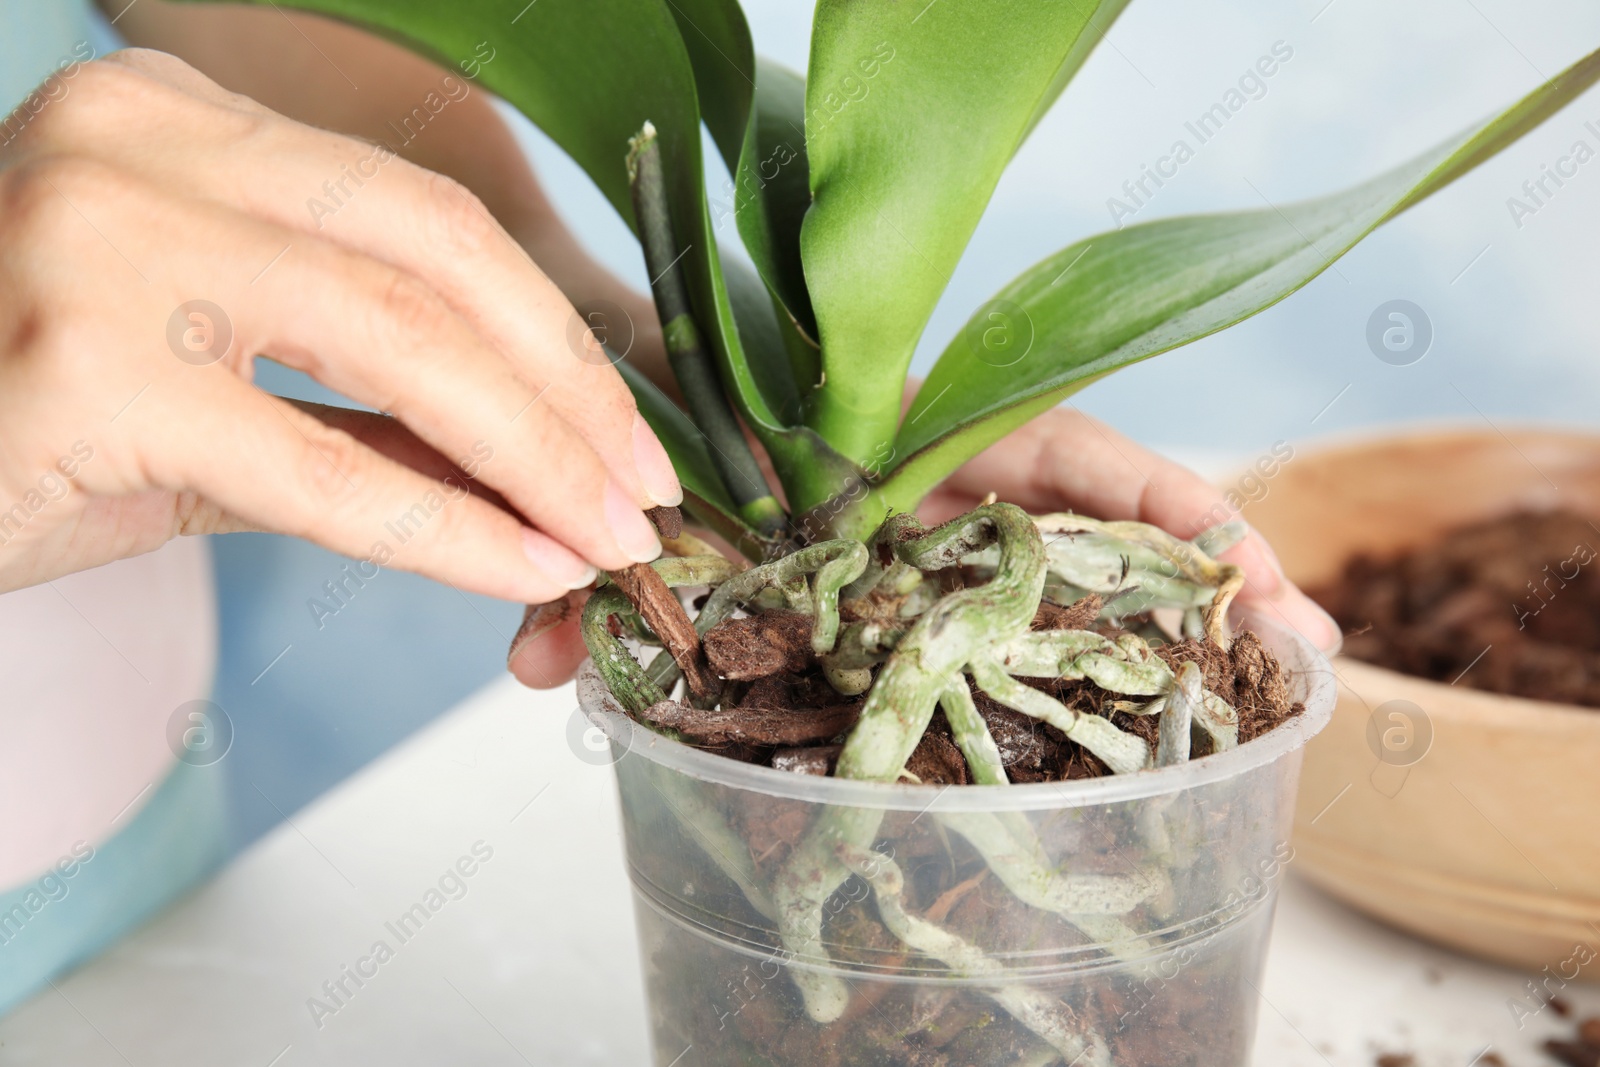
(654, 465)
(633, 532)
(555, 561)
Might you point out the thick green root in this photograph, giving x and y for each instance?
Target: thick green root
(927, 663)
(1177, 720)
(972, 736)
(932, 656)
(1033, 1008)
(1122, 752)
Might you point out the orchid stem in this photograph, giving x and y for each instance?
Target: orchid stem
(686, 351)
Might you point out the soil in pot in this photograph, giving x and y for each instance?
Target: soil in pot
(783, 713)
(1511, 605)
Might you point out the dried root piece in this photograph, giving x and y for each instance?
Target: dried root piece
(623, 676)
(765, 727)
(1033, 1008)
(647, 591)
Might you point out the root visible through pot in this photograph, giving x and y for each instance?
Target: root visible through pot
(993, 649)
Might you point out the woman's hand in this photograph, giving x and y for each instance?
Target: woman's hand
(157, 232)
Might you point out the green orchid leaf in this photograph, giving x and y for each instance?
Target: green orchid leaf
(912, 112)
(761, 333)
(705, 498)
(1100, 21)
(589, 75)
(772, 191)
(755, 110)
(1124, 296)
(717, 39)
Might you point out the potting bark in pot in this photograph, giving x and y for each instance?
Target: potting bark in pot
(1461, 752)
(808, 893)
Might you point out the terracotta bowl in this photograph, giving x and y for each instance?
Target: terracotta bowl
(1479, 826)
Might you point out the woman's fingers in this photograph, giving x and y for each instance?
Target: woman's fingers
(1065, 459)
(389, 437)
(275, 467)
(173, 411)
(364, 198)
(386, 339)
(383, 337)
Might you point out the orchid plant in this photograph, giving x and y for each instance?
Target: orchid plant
(856, 188)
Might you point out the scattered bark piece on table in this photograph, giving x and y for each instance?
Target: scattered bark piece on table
(1573, 1053)
(1584, 1050)
(1395, 1059)
(773, 642)
(648, 592)
(1561, 1006)
(766, 727)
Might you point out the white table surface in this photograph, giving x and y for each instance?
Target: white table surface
(536, 964)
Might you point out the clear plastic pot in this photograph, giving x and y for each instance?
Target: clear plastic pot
(1118, 920)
